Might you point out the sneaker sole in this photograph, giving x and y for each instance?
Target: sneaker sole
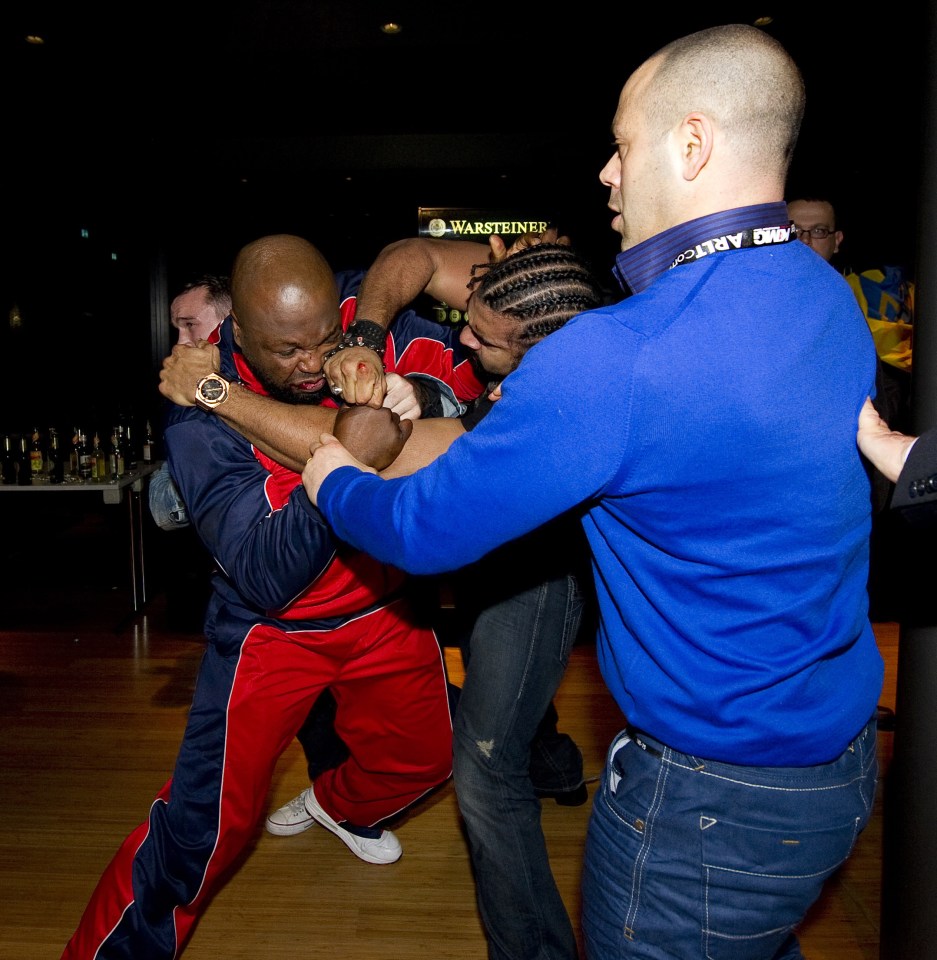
(349, 839)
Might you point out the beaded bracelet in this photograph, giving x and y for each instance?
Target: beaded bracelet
(362, 333)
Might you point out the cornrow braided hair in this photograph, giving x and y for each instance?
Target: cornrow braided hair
(541, 286)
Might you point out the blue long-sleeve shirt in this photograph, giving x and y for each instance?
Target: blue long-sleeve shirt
(708, 425)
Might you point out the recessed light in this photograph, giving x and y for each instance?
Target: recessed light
(35, 39)
(391, 28)
(763, 21)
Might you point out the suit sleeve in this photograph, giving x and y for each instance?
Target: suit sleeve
(915, 496)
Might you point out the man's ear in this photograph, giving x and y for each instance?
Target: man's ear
(695, 139)
(236, 328)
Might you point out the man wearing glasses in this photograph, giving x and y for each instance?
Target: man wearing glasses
(815, 223)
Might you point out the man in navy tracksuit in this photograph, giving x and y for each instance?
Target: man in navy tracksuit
(292, 612)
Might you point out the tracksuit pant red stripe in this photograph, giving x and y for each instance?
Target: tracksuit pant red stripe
(389, 681)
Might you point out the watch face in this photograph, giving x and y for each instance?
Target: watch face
(212, 390)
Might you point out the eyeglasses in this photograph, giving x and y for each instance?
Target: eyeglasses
(814, 233)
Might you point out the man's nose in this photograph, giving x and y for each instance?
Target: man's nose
(309, 362)
(609, 173)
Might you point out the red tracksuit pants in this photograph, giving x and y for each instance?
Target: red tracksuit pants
(389, 681)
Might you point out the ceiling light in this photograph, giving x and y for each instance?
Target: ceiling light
(34, 38)
(763, 21)
(391, 28)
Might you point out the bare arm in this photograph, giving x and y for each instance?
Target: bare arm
(283, 431)
(280, 430)
(406, 268)
(429, 440)
(440, 268)
(401, 272)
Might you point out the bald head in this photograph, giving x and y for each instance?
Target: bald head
(708, 123)
(278, 276)
(744, 81)
(286, 315)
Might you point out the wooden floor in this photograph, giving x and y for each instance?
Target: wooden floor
(91, 714)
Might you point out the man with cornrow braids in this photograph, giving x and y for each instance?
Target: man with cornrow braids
(525, 598)
(519, 610)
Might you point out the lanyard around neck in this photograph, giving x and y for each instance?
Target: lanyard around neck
(752, 237)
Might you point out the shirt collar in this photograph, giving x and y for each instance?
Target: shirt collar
(640, 266)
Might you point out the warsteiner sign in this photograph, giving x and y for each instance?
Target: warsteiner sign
(453, 223)
(450, 223)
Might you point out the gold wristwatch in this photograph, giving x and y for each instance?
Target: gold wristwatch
(211, 391)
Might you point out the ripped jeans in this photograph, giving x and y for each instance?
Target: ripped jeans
(698, 859)
(517, 654)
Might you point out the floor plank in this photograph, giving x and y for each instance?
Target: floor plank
(90, 719)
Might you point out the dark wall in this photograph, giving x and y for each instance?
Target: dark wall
(164, 155)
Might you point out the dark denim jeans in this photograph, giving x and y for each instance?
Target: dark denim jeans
(515, 660)
(691, 858)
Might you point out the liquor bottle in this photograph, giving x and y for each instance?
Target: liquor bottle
(73, 454)
(148, 444)
(55, 459)
(36, 455)
(118, 454)
(99, 464)
(24, 476)
(130, 450)
(84, 457)
(112, 456)
(9, 461)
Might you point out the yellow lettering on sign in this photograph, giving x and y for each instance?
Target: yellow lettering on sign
(501, 227)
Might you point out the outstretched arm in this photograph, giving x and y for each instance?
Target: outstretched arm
(280, 430)
(407, 268)
(429, 439)
(441, 269)
(401, 272)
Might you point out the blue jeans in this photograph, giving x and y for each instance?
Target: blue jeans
(166, 504)
(516, 657)
(692, 858)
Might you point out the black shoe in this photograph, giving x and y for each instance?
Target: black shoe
(885, 717)
(566, 798)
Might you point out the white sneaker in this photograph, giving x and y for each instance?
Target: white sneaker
(367, 843)
(291, 818)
